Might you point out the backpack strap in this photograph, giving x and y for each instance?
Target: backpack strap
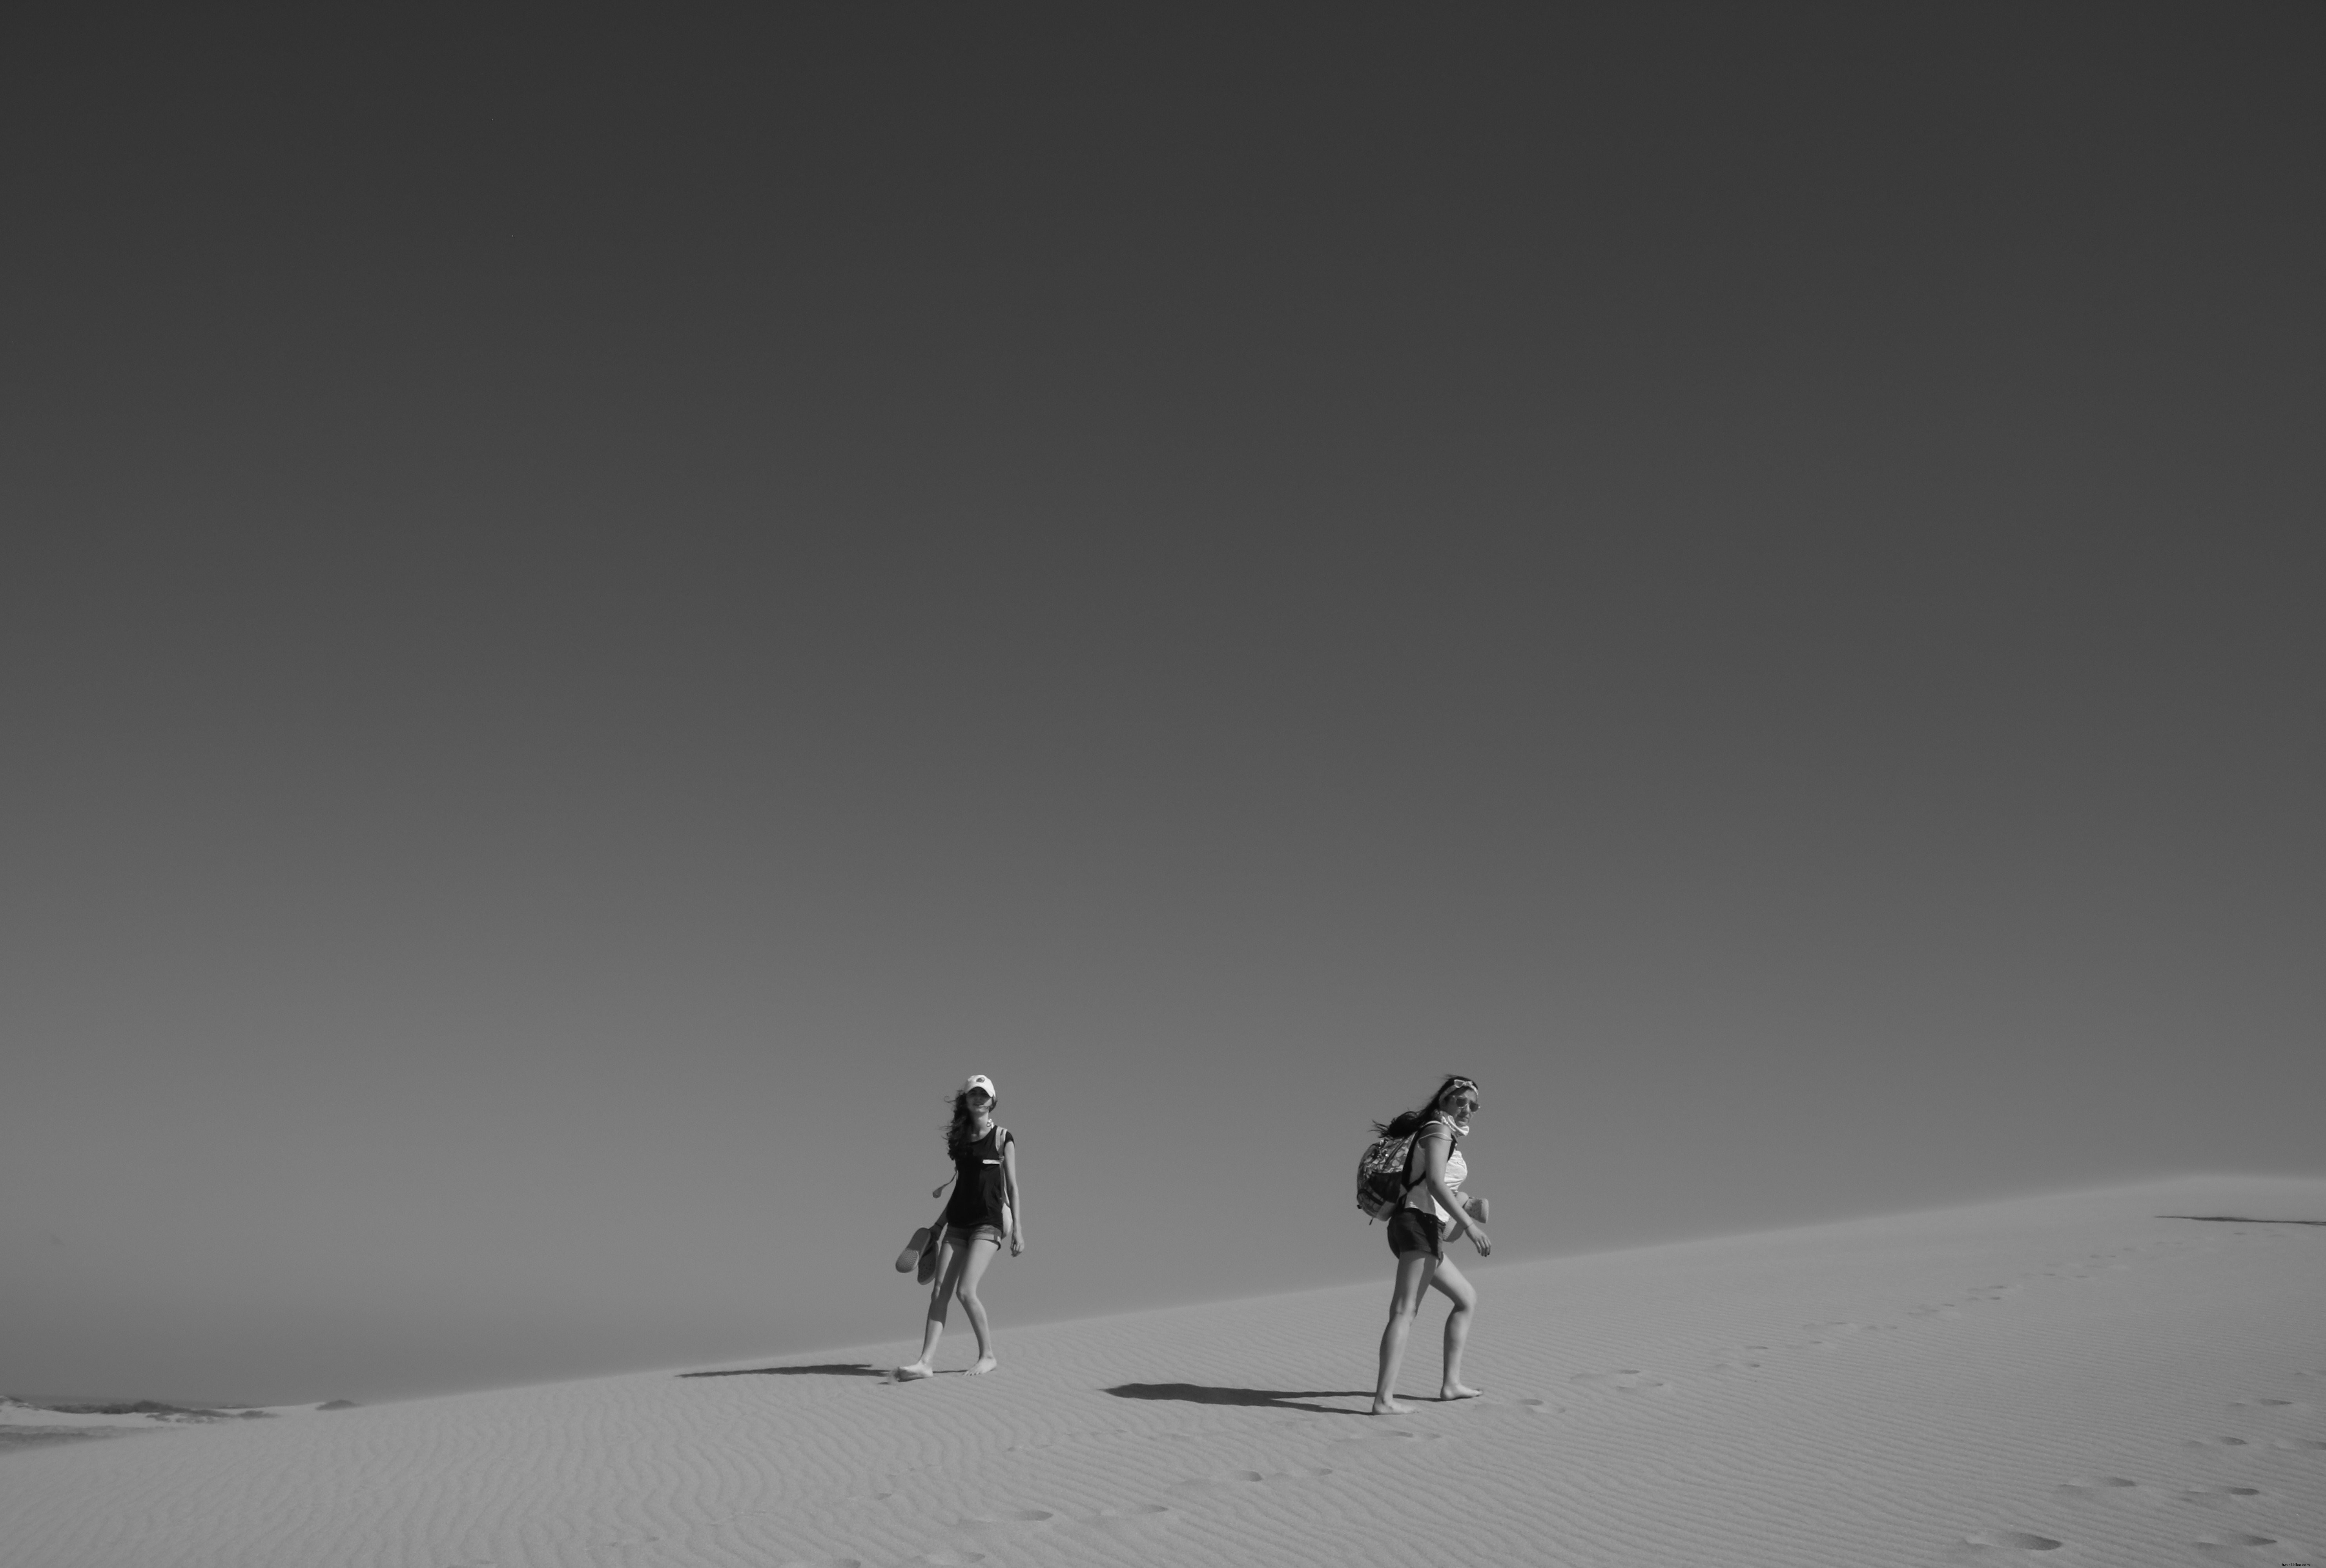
(1453, 1142)
(1453, 1135)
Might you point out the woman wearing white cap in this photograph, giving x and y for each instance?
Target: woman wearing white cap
(984, 1208)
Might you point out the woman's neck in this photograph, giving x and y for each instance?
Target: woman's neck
(984, 1123)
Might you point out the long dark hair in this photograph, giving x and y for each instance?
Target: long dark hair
(1406, 1121)
(962, 1128)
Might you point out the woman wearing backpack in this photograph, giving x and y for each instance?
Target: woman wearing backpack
(985, 1206)
(1434, 1172)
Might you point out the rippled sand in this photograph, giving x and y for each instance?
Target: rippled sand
(2066, 1379)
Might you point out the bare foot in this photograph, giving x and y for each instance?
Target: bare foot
(1389, 1407)
(906, 1374)
(982, 1365)
(1457, 1391)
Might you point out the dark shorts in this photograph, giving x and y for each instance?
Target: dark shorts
(1411, 1230)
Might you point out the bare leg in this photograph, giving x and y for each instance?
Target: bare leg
(980, 1253)
(1413, 1271)
(1448, 1278)
(949, 1262)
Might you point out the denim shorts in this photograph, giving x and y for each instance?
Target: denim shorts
(962, 1235)
(1411, 1230)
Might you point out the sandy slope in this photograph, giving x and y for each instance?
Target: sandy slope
(2063, 1380)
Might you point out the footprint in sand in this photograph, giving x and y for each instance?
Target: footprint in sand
(2310, 1445)
(2217, 1497)
(2013, 1541)
(1137, 1521)
(1388, 1435)
(2097, 1486)
(1539, 1406)
(1835, 1327)
(2240, 1547)
(1246, 1477)
(1623, 1380)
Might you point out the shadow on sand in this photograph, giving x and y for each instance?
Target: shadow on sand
(823, 1369)
(1266, 1398)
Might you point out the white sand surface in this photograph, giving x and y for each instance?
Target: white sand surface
(2061, 1379)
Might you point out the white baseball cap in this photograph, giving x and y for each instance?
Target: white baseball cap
(979, 1081)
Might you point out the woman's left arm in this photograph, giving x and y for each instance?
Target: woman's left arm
(1017, 1201)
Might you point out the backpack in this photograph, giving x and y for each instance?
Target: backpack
(1383, 1183)
(1381, 1175)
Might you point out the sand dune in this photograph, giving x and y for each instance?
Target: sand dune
(2060, 1379)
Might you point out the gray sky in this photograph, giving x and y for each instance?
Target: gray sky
(590, 621)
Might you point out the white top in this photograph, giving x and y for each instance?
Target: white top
(1458, 1169)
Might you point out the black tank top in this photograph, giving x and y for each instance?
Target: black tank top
(981, 1187)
